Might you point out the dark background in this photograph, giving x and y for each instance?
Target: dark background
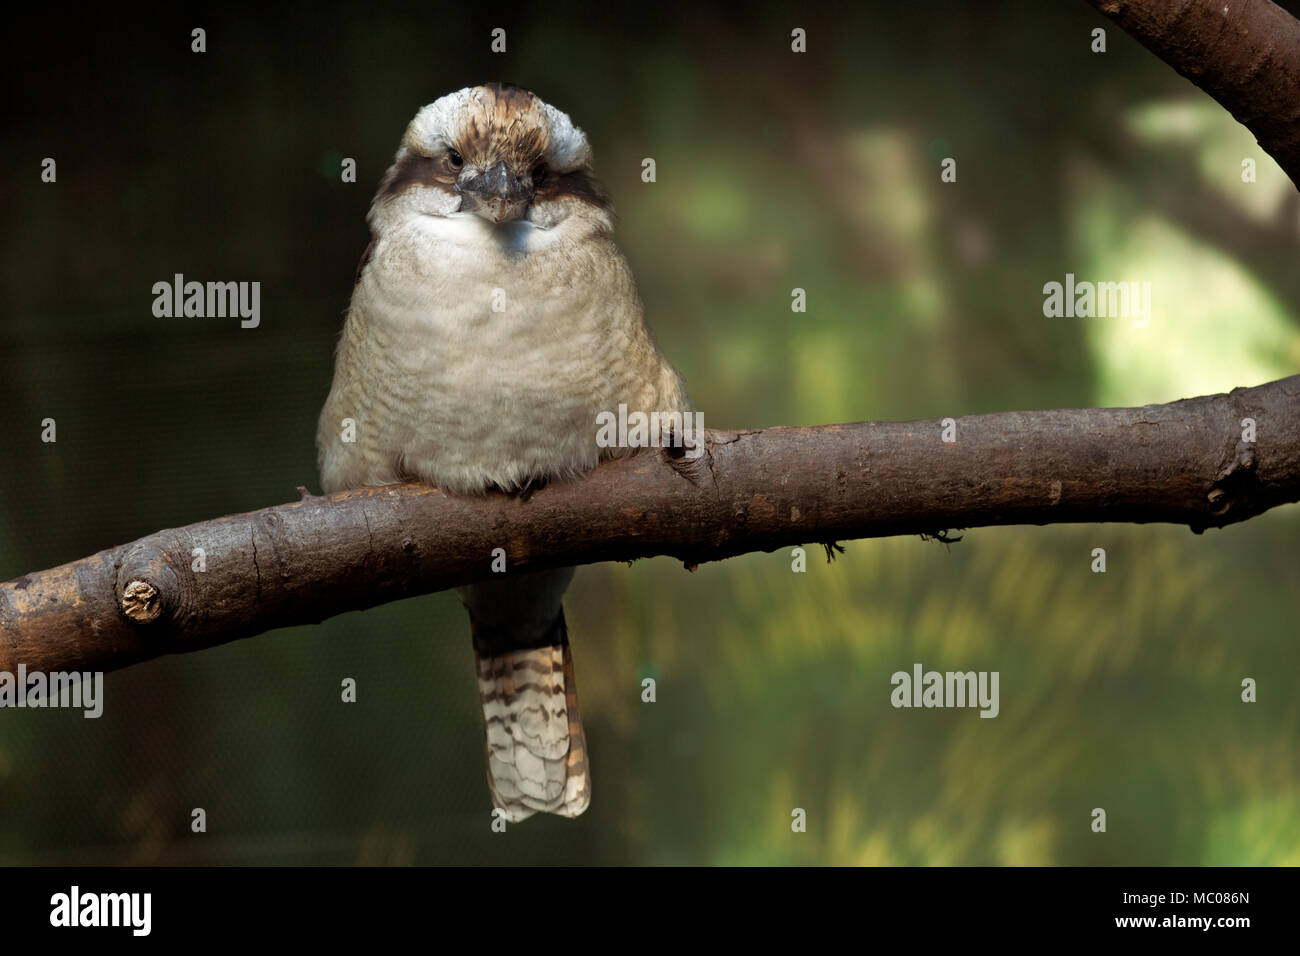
(775, 171)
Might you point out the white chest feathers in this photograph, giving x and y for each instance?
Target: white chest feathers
(478, 355)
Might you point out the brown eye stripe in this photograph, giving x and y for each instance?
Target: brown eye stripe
(416, 170)
(579, 185)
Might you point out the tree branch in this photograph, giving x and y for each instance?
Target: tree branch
(1244, 53)
(298, 563)
(1186, 462)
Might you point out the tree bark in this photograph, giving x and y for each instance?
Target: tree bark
(1185, 462)
(1244, 53)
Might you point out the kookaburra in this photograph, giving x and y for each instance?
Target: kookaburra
(492, 322)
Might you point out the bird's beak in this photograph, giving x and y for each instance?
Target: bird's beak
(497, 194)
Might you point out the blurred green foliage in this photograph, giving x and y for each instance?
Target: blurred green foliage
(775, 171)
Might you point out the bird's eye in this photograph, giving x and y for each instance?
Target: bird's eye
(539, 174)
(456, 160)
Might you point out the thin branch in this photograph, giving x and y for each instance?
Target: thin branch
(1244, 53)
(1185, 462)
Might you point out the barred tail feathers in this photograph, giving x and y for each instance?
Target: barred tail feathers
(535, 745)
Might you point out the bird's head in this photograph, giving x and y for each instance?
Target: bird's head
(494, 151)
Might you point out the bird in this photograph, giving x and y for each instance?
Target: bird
(492, 322)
